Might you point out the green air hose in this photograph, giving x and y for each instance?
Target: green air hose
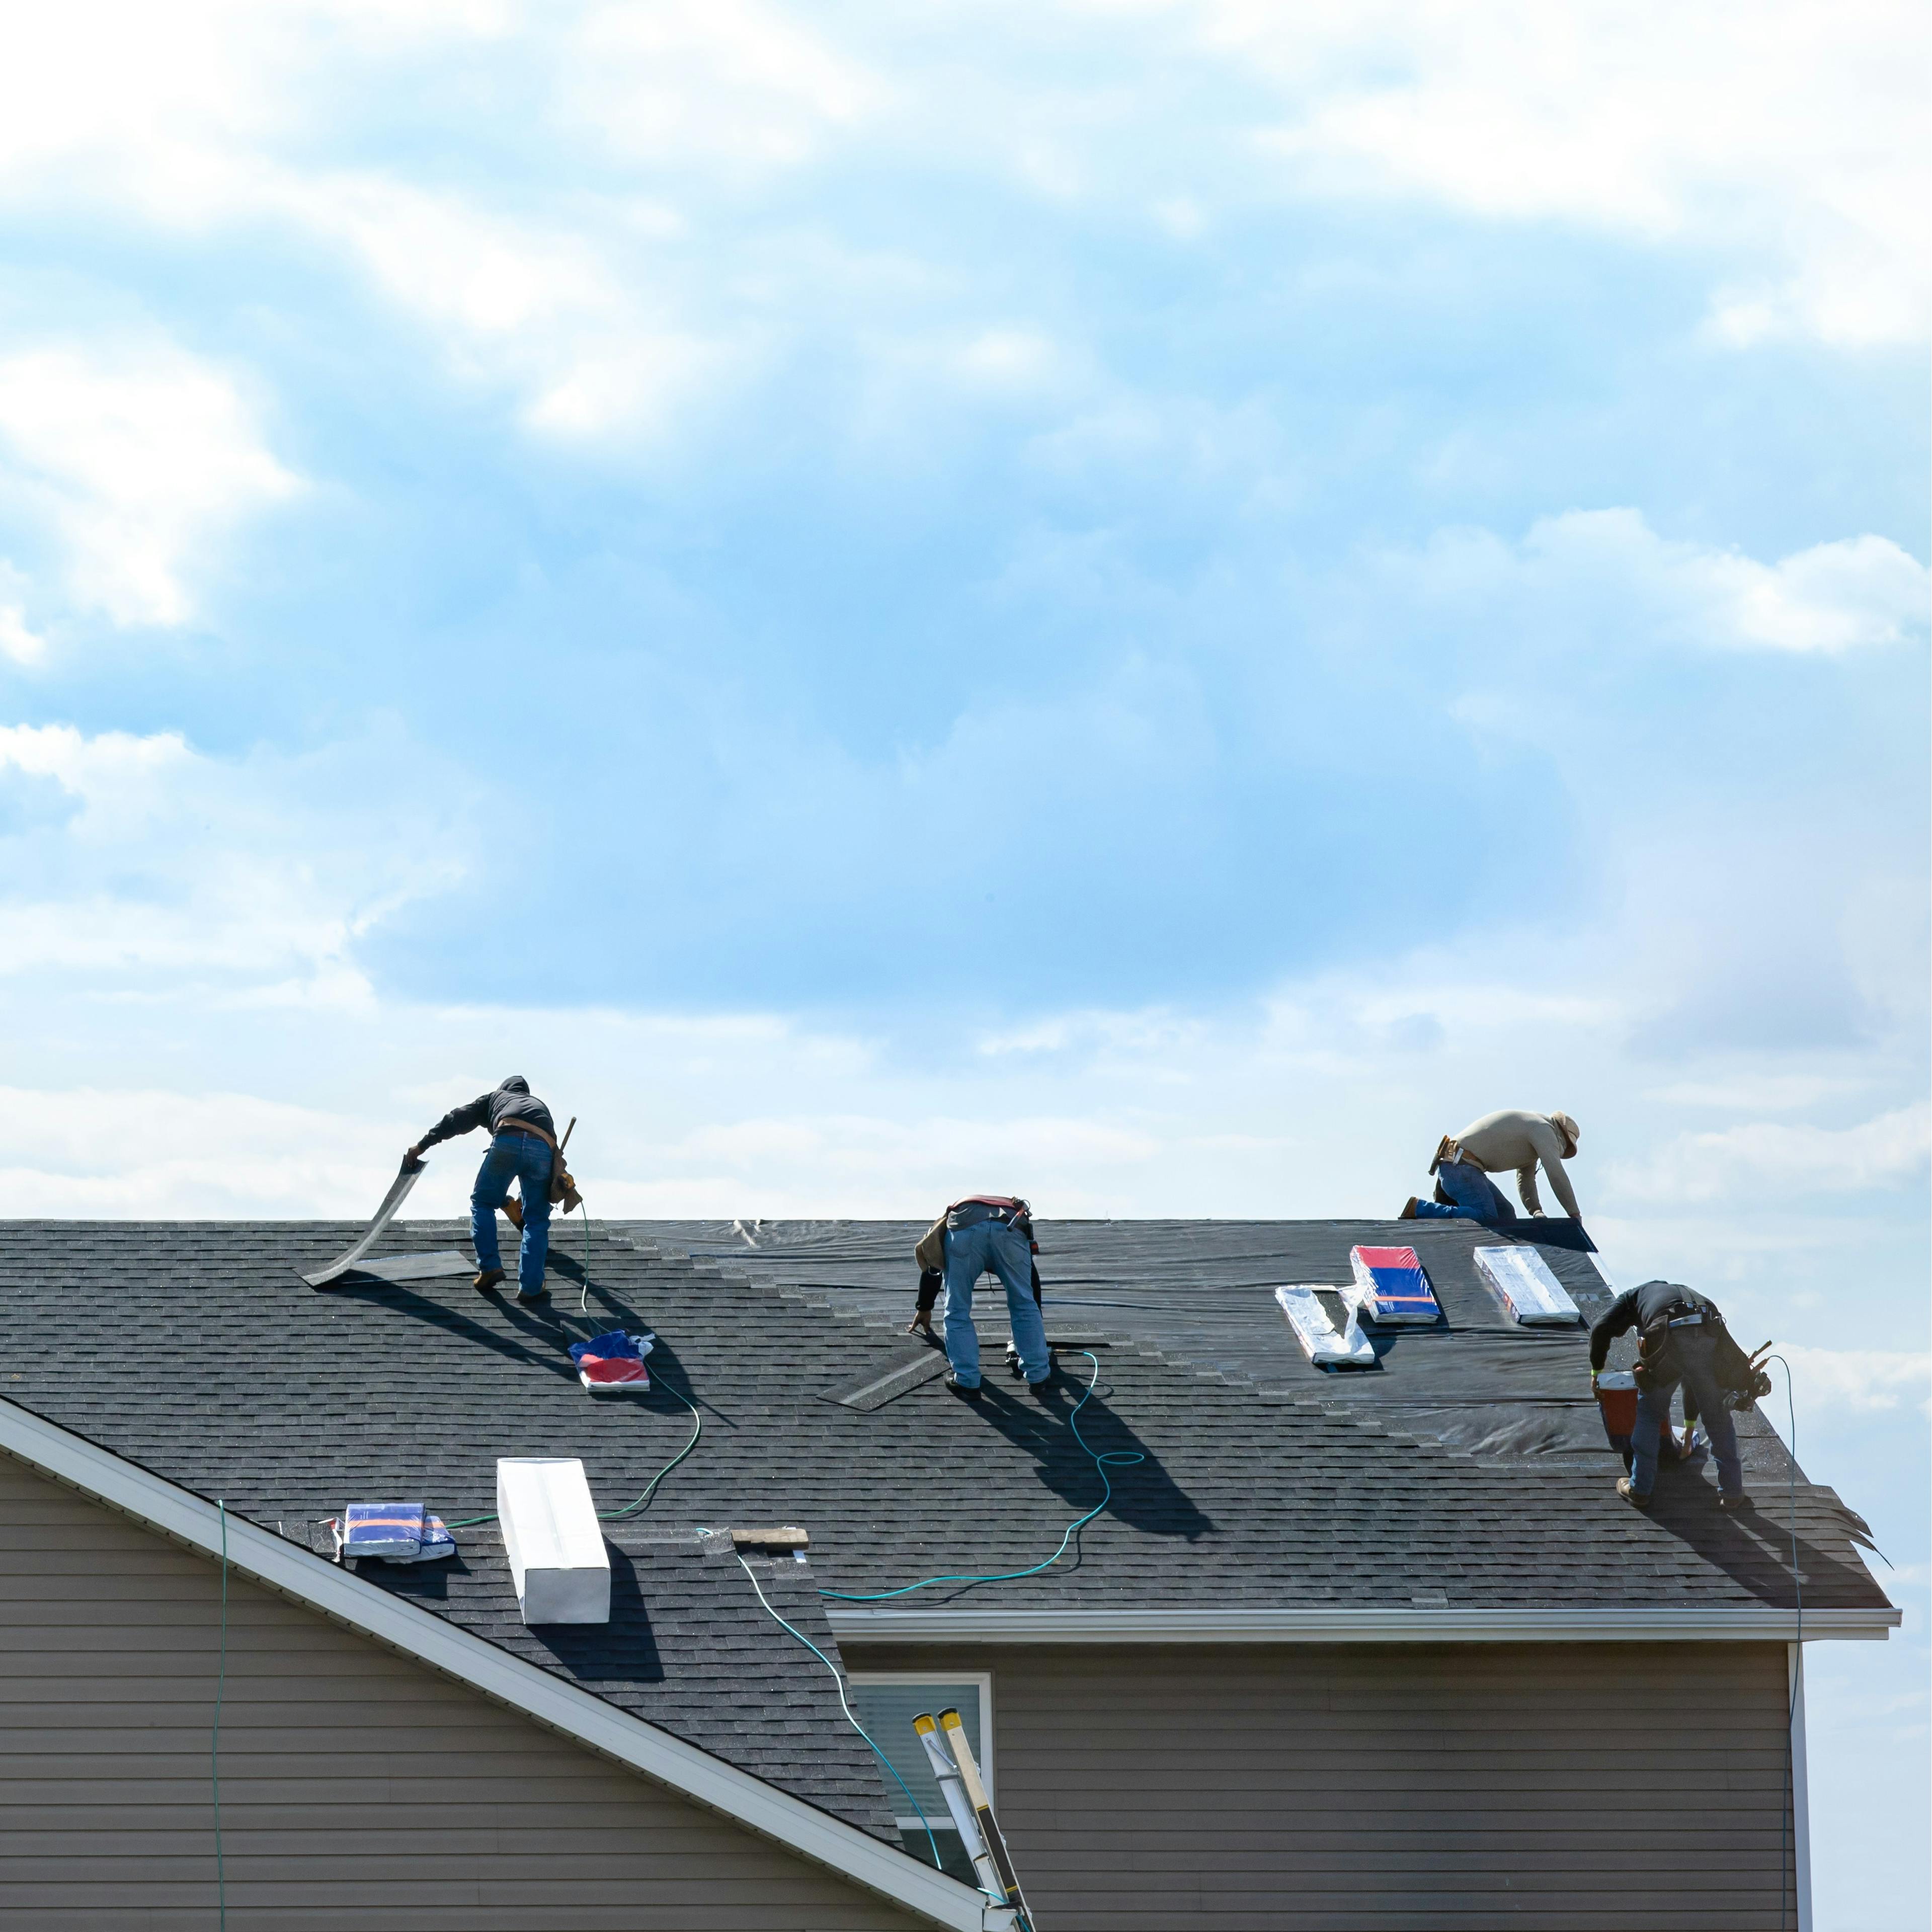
(650, 1488)
(840, 1682)
(1118, 1459)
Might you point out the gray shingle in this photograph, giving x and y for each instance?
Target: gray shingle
(1470, 1465)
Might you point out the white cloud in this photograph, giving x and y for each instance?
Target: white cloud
(139, 457)
(1015, 358)
(1763, 1160)
(589, 351)
(1754, 1093)
(1792, 130)
(17, 641)
(1589, 565)
(713, 81)
(1855, 1378)
(1863, 590)
(210, 117)
(122, 1152)
(174, 863)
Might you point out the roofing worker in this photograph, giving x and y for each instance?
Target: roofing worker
(523, 1148)
(1682, 1339)
(1512, 1141)
(985, 1234)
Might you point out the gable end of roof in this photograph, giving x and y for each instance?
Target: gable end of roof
(305, 1578)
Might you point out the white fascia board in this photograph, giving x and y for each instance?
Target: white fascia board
(338, 1594)
(1259, 1624)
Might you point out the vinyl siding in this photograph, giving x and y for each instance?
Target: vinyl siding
(1390, 1787)
(360, 1789)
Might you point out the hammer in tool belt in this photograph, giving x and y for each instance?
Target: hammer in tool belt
(565, 1195)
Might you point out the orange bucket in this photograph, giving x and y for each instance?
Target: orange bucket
(1616, 1396)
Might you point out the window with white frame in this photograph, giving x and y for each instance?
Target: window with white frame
(886, 1702)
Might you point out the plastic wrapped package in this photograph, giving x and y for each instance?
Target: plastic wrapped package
(388, 1530)
(614, 1361)
(1523, 1283)
(1324, 1344)
(1394, 1289)
(392, 1533)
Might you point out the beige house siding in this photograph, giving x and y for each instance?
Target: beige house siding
(1298, 1788)
(360, 1790)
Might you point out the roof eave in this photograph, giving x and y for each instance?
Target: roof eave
(1340, 1623)
(337, 1593)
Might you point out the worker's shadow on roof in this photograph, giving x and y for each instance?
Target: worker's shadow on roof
(1753, 1548)
(1144, 1496)
(393, 1298)
(607, 1309)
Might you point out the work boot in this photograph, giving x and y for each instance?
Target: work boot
(539, 1300)
(488, 1281)
(513, 1213)
(1737, 1502)
(1630, 1495)
(1408, 1210)
(970, 1390)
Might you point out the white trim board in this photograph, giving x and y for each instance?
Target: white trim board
(1801, 1785)
(307, 1579)
(1261, 1624)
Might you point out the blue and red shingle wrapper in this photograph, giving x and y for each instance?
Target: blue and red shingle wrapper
(1394, 1289)
(614, 1361)
(395, 1532)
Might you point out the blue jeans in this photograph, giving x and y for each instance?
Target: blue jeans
(991, 1248)
(1694, 1349)
(1475, 1196)
(525, 1159)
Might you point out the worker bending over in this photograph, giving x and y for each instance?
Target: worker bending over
(985, 1234)
(523, 1148)
(1511, 1141)
(1682, 1339)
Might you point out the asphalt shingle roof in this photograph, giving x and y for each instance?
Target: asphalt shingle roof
(195, 1350)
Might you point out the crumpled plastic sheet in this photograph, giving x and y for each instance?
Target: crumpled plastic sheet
(1324, 1344)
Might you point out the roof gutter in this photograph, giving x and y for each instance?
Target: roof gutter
(1261, 1624)
(693, 1773)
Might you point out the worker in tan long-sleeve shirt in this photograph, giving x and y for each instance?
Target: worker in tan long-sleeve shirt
(1514, 1141)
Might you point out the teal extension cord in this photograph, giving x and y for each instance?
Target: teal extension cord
(840, 1682)
(650, 1488)
(1118, 1459)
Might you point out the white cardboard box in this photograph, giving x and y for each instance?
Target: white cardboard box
(553, 1541)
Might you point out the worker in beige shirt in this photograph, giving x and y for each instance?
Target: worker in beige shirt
(1513, 1140)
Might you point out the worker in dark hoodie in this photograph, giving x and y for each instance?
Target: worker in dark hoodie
(1682, 1339)
(523, 1149)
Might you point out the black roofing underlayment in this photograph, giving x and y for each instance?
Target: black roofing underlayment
(1469, 1467)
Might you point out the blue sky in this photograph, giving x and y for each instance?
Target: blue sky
(1152, 601)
